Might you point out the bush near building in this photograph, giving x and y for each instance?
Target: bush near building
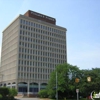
(43, 93)
(7, 93)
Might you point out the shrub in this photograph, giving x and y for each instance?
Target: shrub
(4, 91)
(43, 93)
(0, 96)
(7, 93)
(12, 92)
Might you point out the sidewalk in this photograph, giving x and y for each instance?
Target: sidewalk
(26, 98)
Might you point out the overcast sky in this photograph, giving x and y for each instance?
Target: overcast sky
(80, 17)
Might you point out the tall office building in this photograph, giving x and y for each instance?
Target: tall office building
(32, 46)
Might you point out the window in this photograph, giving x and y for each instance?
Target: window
(23, 32)
(19, 62)
(18, 74)
(27, 68)
(22, 62)
(26, 22)
(41, 26)
(33, 69)
(31, 24)
(30, 76)
(24, 74)
(25, 62)
(33, 75)
(19, 68)
(26, 27)
(20, 31)
(20, 26)
(24, 68)
(21, 20)
(30, 69)
(27, 75)
(30, 63)
(34, 24)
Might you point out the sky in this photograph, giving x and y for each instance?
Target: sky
(81, 18)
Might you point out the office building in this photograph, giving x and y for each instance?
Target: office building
(32, 45)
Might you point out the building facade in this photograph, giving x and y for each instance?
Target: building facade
(32, 45)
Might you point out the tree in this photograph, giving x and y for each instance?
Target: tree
(87, 87)
(66, 75)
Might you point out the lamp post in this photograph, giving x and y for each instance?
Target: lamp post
(77, 90)
(56, 87)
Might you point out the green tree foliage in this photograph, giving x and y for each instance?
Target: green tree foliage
(87, 87)
(0, 96)
(4, 91)
(66, 84)
(12, 92)
(7, 93)
(66, 75)
(43, 93)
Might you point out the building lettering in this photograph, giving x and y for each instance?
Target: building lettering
(43, 16)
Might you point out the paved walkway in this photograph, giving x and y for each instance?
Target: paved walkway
(28, 98)
(19, 98)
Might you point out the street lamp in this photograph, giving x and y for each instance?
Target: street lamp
(56, 87)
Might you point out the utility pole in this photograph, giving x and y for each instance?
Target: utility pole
(56, 87)
(77, 91)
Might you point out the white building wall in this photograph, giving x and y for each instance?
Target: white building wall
(31, 49)
(41, 47)
(9, 52)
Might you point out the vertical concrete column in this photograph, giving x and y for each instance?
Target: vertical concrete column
(11, 85)
(16, 86)
(39, 86)
(28, 91)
